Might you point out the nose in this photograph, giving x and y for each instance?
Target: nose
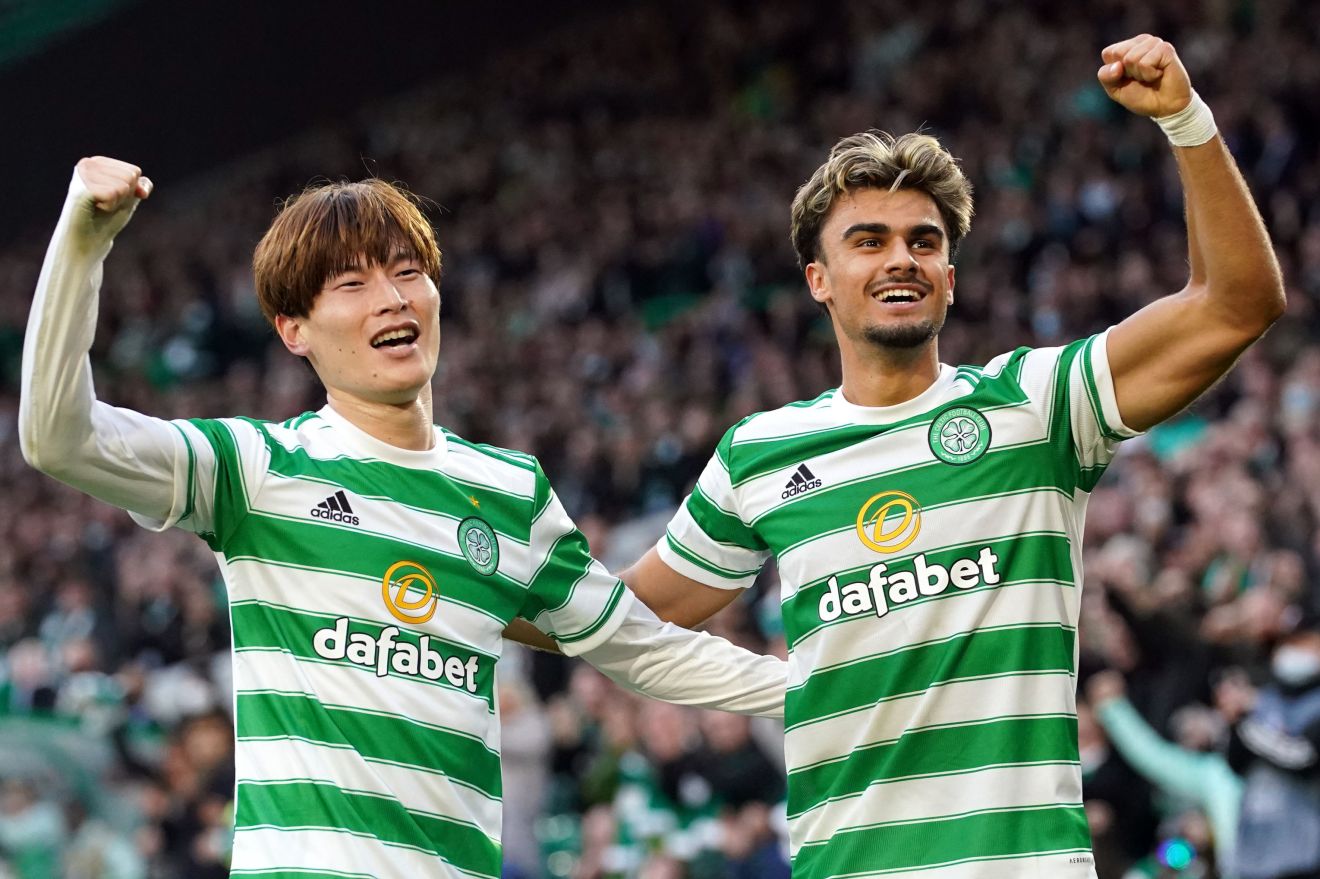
(391, 298)
(899, 258)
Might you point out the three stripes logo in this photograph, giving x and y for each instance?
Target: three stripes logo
(335, 509)
(803, 480)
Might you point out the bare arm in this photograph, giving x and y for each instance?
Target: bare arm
(1170, 352)
(673, 597)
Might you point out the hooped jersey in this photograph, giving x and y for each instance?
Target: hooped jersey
(369, 587)
(930, 561)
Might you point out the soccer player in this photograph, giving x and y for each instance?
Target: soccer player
(927, 520)
(372, 559)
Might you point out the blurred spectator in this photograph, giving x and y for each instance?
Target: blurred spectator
(1276, 747)
(1191, 771)
(619, 289)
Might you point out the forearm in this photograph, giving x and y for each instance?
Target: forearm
(122, 457)
(666, 662)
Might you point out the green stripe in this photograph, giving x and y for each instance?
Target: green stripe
(299, 805)
(1029, 648)
(720, 525)
(425, 490)
(1022, 558)
(555, 586)
(397, 740)
(985, 836)
(295, 873)
(309, 544)
(946, 750)
(261, 626)
(230, 501)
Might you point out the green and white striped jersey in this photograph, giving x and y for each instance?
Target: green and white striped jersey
(368, 587)
(930, 559)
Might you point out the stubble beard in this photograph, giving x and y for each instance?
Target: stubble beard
(904, 336)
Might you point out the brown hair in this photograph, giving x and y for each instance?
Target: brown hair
(326, 229)
(878, 160)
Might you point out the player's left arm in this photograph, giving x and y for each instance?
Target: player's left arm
(1170, 352)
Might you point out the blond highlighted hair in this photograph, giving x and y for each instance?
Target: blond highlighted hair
(878, 160)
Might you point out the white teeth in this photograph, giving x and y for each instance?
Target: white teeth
(898, 296)
(408, 334)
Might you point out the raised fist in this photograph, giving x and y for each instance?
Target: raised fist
(113, 184)
(1145, 75)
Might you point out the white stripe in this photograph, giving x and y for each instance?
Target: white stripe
(958, 702)
(418, 791)
(269, 849)
(348, 685)
(471, 465)
(917, 799)
(895, 451)
(336, 595)
(789, 421)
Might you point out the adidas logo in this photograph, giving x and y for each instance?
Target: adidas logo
(803, 480)
(336, 509)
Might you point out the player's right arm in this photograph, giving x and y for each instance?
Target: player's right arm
(708, 554)
(673, 597)
(119, 456)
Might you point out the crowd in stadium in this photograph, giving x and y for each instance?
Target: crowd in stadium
(619, 288)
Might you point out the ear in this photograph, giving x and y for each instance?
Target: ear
(951, 284)
(290, 331)
(818, 281)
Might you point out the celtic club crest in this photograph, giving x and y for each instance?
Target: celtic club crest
(476, 540)
(959, 435)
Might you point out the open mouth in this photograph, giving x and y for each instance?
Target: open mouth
(396, 338)
(895, 295)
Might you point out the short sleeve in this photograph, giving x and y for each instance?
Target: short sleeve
(570, 596)
(708, 540)
(1072, 390)
(224, 463)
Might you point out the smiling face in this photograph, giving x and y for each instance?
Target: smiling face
(882, 269)
(373, 331)
(347, 274)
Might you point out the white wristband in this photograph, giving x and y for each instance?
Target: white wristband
(1191, 126)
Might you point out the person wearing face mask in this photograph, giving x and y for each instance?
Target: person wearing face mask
(1275, 746)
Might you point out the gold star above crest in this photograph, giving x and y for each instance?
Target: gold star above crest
(476, 503)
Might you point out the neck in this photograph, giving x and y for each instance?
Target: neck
(875, 376)
(405, 425)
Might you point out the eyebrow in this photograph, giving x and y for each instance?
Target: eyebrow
(400, 256)
(929, 230)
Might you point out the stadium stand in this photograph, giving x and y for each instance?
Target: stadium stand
(619, 287)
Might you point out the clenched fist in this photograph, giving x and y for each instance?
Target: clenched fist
(1145, 75)
(112, 183)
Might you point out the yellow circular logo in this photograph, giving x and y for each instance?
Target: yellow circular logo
(401, 576)
(887, 505)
